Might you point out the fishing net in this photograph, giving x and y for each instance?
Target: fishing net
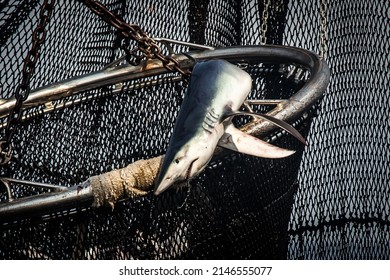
(330, 200)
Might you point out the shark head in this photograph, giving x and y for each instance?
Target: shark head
(185, 161)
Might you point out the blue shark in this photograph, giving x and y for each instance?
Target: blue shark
(216, 92)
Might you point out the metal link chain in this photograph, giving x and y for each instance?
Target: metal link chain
(147, 46)
(23, 89)
(264, 23)
(323, 29)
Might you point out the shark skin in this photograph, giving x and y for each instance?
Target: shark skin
(216, 92)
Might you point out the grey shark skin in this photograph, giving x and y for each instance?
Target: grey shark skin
(217, 89)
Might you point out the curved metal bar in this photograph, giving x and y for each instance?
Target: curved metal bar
(121, 73)
(289, 110)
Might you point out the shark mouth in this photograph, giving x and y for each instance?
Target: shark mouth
(188, 174)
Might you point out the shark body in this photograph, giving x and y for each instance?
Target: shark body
(216, 92)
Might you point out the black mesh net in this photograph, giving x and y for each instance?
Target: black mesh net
(329, 200)
(342, 207)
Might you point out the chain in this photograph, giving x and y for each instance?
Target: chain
(323, 29)
(147, 46)
(264, 23)
(23, 89)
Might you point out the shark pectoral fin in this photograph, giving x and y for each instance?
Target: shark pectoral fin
(236, 140)
(282, 124)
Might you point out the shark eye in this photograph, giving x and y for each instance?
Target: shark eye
(178, 159)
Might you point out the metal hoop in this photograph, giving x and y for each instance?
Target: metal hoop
(83, 195)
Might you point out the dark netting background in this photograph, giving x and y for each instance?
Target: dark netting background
(333, 202)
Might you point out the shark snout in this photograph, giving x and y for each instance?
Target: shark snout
(163, 185)
(179, 170)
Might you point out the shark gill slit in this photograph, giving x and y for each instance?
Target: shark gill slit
(210, 121)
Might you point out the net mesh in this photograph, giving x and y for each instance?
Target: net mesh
(329, 200)
(342, 207)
